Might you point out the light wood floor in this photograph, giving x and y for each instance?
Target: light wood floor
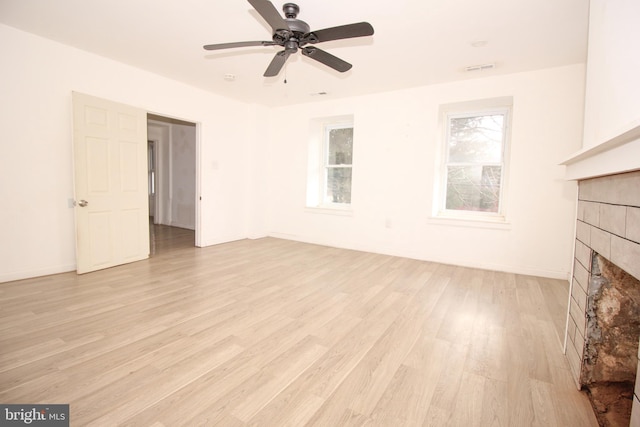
(272, 332)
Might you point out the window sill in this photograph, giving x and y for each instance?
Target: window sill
(493, 222)
(330, 210)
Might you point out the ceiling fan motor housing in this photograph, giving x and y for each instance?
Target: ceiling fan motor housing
(297, 28)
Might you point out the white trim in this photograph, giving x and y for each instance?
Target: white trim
(326, 140)
(28, 274)
(573, 263)
(317, 164)
(335, 209)
(493, 222)
(164, 217)
(551, 274)
(502, 106)
(620, 139)
(619, 156)
(198, 165)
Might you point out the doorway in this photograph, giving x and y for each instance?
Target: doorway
(172, 149)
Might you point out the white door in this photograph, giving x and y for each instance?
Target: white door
(110, 167)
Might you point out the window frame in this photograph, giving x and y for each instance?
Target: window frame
(502, 106)
(326, 166)
(151, 167)
(318, 146)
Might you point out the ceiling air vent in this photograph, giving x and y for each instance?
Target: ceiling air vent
(480, 67)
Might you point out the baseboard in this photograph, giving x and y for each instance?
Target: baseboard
(21, 275)
(526, 271)
(185, 226)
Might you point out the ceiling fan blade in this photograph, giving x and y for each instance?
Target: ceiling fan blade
(276, 64)
(349, 31)
(269, 13)
(326, 58)
(237, 44)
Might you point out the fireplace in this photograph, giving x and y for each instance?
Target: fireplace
(603, 327)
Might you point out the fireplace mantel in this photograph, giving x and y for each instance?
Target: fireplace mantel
(618, 154)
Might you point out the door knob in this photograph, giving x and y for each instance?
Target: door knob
(83, 203)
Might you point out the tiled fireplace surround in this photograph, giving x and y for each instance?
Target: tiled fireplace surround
(608, 222)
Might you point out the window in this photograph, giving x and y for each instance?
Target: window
(330, 164)
(151, 167)
(474, 163)
(338, 159)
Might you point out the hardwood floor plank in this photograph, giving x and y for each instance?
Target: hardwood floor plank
(495, 400)
(488, 354)
(519, 389)
(542, 396)
(292, 365)
(273, 332)
(470, 400)
(182, 372)
(449, 382)
(198, 401)
(407, 398)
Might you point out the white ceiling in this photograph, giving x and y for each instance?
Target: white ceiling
(416, 42)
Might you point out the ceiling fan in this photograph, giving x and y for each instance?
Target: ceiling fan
(293, 34)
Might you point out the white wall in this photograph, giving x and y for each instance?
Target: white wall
(183, 176)
(38, 76)
(612, 99)
(396, 140)
(161, 134)
(612, 104)
(255, 159)
(395, 147)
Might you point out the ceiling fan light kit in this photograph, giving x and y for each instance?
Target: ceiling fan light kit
(293, 34)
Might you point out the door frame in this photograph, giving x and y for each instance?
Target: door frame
(152, 149)
(198, 169)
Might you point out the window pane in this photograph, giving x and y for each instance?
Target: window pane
(340, 146)
(473, 188)
(152, 182)
(338, 185)
(476, 139)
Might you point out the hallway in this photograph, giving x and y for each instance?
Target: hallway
(164, 238)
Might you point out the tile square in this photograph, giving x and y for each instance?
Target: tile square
(592, 213)
(580, 211)
(601, 242)
(581, 276)
(579, 295)
(579, 317)
(613, 218)
(637, 388)
(632, 231)
(635, 413)
(583, 254)
(583, 232)
(626, 255)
